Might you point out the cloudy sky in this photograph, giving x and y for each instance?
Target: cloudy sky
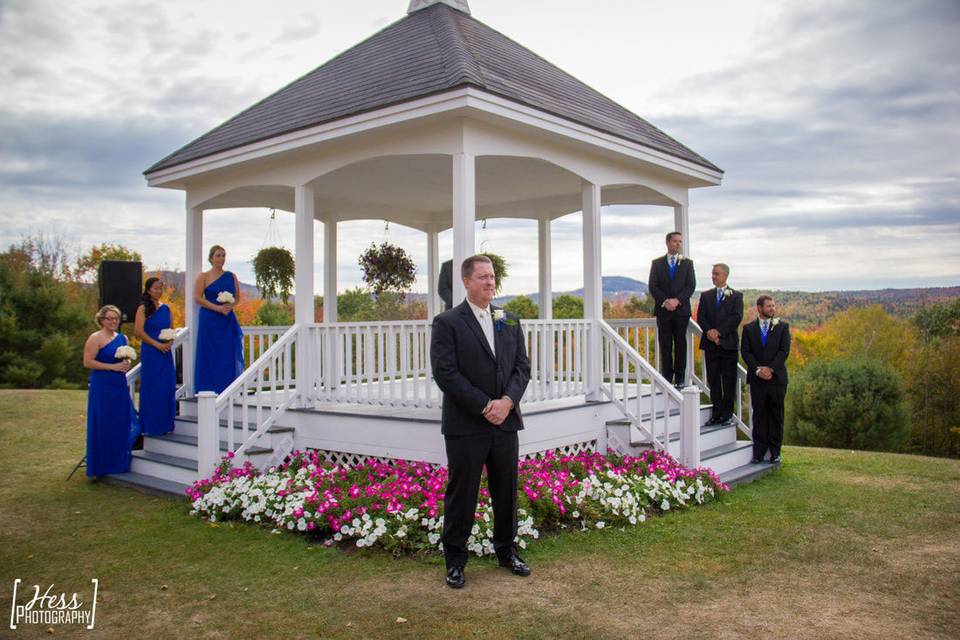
(837, 123)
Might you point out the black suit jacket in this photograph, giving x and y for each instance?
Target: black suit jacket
(445, 284)
(681, 286)
(726, 318)
(470, 376)
(774, 355)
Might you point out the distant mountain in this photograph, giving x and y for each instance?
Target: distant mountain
(614, 287)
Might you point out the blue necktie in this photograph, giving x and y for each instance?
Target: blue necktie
(719, 296)
(763, 332)
(673, 266)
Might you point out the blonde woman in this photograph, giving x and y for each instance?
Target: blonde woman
(111, 420)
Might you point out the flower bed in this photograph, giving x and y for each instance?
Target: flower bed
(398, 505)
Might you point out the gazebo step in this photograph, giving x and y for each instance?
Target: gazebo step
(747, 473)
(149, 484)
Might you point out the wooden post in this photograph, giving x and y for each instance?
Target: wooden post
(303, 302)
(433, 271)
(208, 434)
(592, 286)
(545, 268)
(331, 368)
(464, 217)
(193, 267)
(690, 427)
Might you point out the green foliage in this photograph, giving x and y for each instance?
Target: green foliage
(43, 323)
(354, 305)
(567, 306)
(939, 320)
(935, 397)
(870, 333)
(640, 307)
(89, 263)
(523, 307)
(387, 267)
(271, 314)
(500, 271)
(849, 405)
(274, 269)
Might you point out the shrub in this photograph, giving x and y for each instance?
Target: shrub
(273, 315)
(523, 307)
(567, 306)
(847, 404)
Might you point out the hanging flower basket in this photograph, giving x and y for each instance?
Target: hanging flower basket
(387, 267)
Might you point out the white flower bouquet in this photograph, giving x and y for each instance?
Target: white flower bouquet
(167, 335)
(225, 297)
(125, 352)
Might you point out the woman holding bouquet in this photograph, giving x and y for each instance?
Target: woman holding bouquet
(111, 420)
(219, 354)
(158, 377)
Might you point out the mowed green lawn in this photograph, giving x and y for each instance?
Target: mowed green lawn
(838, 544)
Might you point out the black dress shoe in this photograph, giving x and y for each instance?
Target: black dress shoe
(755, 460)
(517, 566)
(776, 460)
(455, 578)
(726, 420)
(711, 422)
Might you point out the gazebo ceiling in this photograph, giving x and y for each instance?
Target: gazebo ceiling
(415, 191)
(431, 51)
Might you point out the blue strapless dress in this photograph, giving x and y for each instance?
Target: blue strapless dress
(158, 379)
(219, 351)
(112, 423)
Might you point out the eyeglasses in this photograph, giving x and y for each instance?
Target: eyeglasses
(112, 318)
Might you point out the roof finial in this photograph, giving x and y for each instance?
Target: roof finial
(459, 5)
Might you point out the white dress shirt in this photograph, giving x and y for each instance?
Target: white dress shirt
(486, 323)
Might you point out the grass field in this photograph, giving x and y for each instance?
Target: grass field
(837, 544)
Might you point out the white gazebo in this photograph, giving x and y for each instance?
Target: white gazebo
(433, 122)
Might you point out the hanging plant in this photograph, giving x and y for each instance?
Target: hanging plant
(274, 270)
(387, 267)
(499, 269)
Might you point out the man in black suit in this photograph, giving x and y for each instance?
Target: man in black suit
(480, 363)
(765, 346)
(445, 284)
(719, 314)
(672, 282)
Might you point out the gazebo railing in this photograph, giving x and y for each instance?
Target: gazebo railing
(134, 374)
(558, 353)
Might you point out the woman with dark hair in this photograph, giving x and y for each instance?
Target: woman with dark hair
(158, 378)
(219, 353)
(111, 421)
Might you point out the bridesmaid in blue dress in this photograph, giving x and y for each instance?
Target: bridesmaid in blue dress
(219, 351)
(111, 420)
(158, 378)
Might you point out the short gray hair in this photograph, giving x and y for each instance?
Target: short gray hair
(725, 267)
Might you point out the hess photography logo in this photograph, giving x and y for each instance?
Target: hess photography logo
(52, 607)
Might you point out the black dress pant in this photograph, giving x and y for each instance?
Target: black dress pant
(767, 402)
(722, 378)
(467, 455)
(672, 339)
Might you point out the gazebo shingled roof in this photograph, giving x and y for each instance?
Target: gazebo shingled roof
(427, 52)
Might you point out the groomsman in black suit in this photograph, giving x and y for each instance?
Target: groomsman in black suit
(719, 315)
(672, 282)
(765, 346)
(480, 363)
(445, 284)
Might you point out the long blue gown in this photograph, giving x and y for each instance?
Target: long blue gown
(111, 420)
(158, 379)
(219, 354)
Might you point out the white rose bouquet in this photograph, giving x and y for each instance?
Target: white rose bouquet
(225, 297)
(125, 352)
(167, 335)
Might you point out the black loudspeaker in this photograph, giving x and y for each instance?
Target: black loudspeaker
(120, 284)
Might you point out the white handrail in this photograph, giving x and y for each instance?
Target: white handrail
(257, 339)
(695, 331)
(623, 375)
(260, 395)
(134, 374)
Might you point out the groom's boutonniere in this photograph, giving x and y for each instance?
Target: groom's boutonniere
(774, 322)
(500, 318)
(727, 291)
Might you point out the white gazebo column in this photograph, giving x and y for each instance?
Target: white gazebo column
(331, 364)
(592, 285)
(681, 223)
(303, 283)
(464, 217)
(433, 269)
(193, 266)
(545, 269)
